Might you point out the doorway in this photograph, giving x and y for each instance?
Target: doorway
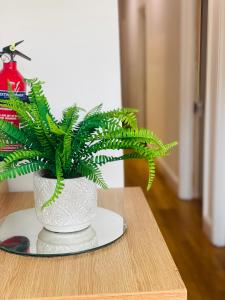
(133, 56)
(163, 62)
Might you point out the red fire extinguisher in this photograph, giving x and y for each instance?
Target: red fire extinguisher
(10, 74)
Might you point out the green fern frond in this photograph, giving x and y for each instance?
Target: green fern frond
(5, 141)
(40, 112)
(54, 128)
(88, 127)
(101, 120)
(59, 183)
(151, 167)
(67, 150)
(103, 159)
(19, 155)
(114, 145)
(126, 115)
(4, 154)
(24, 111)
(164, 151)
(22, 169)
(138, 134)
(38, 98)
(15, 134)
(90, 170)
(70, 116)
(169, 146)
(71, 147)
(42, 138)
(97, 109)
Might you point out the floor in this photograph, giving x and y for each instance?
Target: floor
(202, 266)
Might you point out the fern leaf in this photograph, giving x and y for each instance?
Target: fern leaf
(59, 183)
(54, 127)
(18, 155)
(103, 159)
(115, 144)
(37, 96)
(4, 141)
(70, 116)
(151, 166)
(125, 115)
(92, 172)
(22, 169)
(42, 132)
(4, 154)
(97, 109)
(141, 135)
(14, 133)
(169, 146)
(40, 111)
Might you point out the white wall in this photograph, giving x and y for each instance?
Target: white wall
(74, 45)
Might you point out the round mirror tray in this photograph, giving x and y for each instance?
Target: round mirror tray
(21, 233)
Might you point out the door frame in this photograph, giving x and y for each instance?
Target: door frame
(214, 145)
(189, 93)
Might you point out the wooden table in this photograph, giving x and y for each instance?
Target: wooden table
(138, 266)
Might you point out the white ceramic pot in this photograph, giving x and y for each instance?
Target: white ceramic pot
(58, 243)
(72, 211)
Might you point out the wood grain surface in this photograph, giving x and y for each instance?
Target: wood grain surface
(201, 264)
(138, 266)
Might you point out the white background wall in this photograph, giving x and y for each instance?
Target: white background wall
(74, 45)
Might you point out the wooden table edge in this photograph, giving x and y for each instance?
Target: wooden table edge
(175, 294)
(179, 294)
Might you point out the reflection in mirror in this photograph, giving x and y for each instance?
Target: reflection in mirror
(22, 233)
(55, 243)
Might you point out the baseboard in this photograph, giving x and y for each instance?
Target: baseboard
(168, 174)
(208, 230)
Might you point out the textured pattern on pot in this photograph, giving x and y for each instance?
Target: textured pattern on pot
(73, 210)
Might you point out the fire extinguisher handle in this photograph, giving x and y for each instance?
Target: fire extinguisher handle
(16, 52)
(11, 50)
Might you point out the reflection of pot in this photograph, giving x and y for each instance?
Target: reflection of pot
(73, 210)
(58, 243)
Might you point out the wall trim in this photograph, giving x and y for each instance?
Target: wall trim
(214, 174)
(207, 227)
(188, 95)
(168, 174)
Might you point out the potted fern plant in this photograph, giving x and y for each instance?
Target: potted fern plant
(64, 154)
